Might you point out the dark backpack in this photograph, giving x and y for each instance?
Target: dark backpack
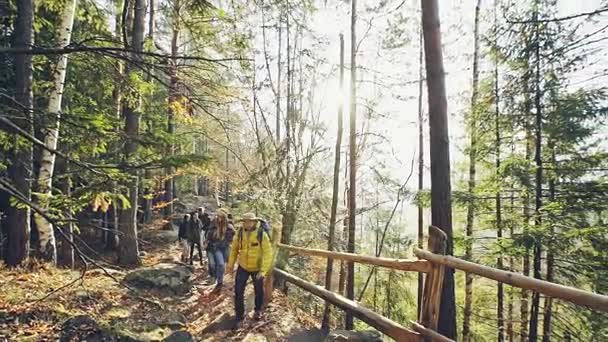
(194, 230)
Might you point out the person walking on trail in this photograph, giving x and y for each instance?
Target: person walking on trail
(251, 249)
(194, 236)
(229, 236)
(203, 215)
(217, 245)
(182, 237)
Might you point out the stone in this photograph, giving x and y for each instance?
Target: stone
(170, 319)
(170, 226)
(83, 328)
(179, 336)
(173, 278)
(254, 337)
(354, 336)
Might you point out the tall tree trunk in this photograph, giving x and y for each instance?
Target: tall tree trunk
(420, 165)
(128, 252)
(112, 233)
(352, 189)
(525, 294)
(65, 251)
(173, 98)
(468, 290)
(20, 168)
(147, 194)
(548, 310)
(499, 229)
(538, 179)
(334, 198)
(47, 248)
(499, 262)
(278, 122)
(441, 190)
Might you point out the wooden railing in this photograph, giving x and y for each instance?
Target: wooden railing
(432, 263)
(431, 295)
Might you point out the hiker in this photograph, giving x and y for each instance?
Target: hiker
(229, 236)
(204, 217)
(217, 243)
(251, 248)
(194, 236)
(182, 237)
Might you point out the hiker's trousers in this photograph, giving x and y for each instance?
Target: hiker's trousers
(240, 282)
(185, 249)
(219, 263)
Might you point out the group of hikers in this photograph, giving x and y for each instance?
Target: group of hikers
(248, 246)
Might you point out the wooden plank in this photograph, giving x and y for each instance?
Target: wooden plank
(383, 324)
(395, 264)
(433, 283)
(570, 294)
(426, 332)
(269, 279)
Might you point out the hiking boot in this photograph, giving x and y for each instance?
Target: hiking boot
(257, 315)
(209, 281)
(218, 287)
(238, 324)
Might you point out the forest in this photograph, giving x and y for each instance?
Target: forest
(349, 126)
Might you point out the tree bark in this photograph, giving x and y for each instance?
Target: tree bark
(548, 310)
(352, 192)
(441, 200)
(112, 233)
(534, 313)
(278, 122)
(128, 252)
(468, 290)
(173, 104)
(20, 168)
(325, 325)
(499, 225)
(65, 251)
(47, 249)
(420, 164)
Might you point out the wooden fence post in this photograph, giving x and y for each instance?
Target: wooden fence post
(433, 283)
(269, 280)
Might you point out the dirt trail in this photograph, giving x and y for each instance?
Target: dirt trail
(36, 302)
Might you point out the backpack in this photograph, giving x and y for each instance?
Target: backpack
(194, 231)
(264, 229)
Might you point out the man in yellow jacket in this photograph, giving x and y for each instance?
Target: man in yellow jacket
(252, 250)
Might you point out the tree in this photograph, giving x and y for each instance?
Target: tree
(420, 163)
(128, 252)
(173, 107)
(352, 188)
(46, 235)
(334, 197)
(441, 199)
(19, 171)
(468, 292)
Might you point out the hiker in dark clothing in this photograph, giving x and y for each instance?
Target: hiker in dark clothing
(217, 245)
(194, 236)
(182, 237)
(203, 215)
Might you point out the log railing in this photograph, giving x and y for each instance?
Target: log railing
(431, 295)
(432, 262)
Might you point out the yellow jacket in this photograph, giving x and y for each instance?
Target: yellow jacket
(252, 255)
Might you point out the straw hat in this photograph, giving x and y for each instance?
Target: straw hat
(249, 217)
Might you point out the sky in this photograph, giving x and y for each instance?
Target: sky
(395, 74)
